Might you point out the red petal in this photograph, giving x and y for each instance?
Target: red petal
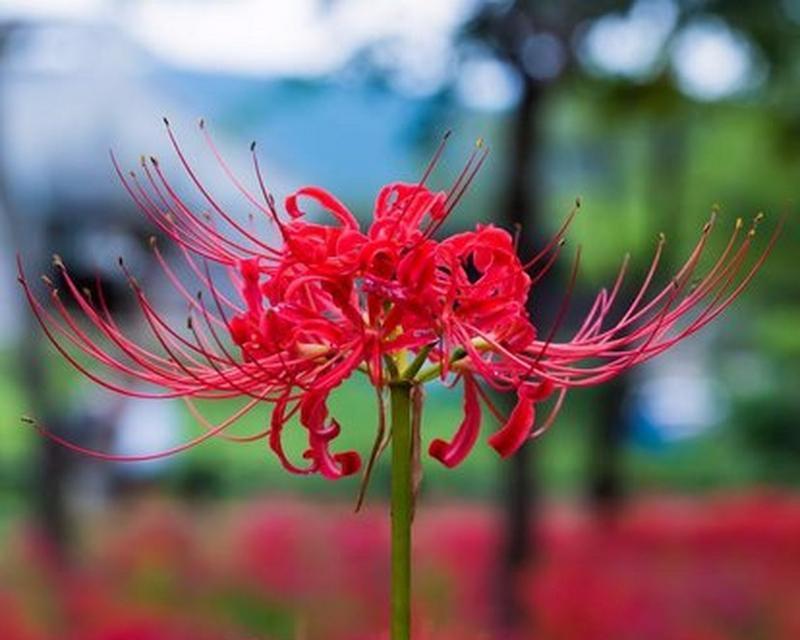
(453, 453)
(275, 443)
(250, 289)
(517, 428)
(326, 200)
(313, 415)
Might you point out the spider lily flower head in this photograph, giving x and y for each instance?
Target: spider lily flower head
(331, 298)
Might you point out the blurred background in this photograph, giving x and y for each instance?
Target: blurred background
(664, 505)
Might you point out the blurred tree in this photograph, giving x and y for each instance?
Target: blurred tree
(542, 43)
(666, 114)
(51, 470)
(534, 40)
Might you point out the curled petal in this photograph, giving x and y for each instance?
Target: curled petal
(453, 453)
(336, 465)
(278, 421)
(388, 197)
(515, 431)
(520, 422)
(417, 269)
(313, 416)
(326, 200)
(379, 258)
(250, 290)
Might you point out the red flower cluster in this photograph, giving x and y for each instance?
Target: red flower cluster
(725, 568)
(391, 301)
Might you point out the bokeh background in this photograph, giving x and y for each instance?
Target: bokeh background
(664, 505)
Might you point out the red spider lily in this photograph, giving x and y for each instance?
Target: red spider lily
(392, 302)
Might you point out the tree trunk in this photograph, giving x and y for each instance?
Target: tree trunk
(521, 494)
(666, 171)
(52, 460)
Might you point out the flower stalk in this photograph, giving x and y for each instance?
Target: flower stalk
(402, 508)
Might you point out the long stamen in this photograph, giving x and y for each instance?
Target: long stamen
(424, 178)
(227, 170)
(481, 153)
(210, 433)
(225, 216)
(203, 422)
(557, 238)
(46, 323)
(153, 214)
(562, 311)
(267, 195)
(460, 186)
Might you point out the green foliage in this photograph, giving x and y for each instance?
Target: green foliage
(769, 428)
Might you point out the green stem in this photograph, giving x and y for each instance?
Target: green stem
(416, 365)
(402, 507)
(434, 370)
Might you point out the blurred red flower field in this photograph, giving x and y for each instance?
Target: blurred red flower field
(677, 569)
